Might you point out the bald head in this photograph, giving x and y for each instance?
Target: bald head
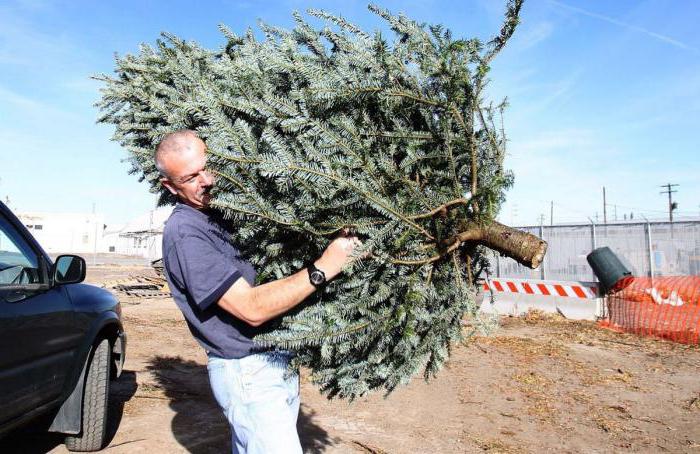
(175, 144)
(182, 162)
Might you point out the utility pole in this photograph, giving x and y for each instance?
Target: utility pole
(671, 204)
(605, 208)
(551, 213)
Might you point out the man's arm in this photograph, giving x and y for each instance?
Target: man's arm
(256, 305)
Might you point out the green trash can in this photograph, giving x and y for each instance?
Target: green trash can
(607, 267)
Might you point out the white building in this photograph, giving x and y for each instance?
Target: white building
(142, 236)
(83, 233)
(78, 233)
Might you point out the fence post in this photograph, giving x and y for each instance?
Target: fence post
(650, 253)
(543, 273)
(498, 264)
(593, 246)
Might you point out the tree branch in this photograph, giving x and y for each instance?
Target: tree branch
(443, 207)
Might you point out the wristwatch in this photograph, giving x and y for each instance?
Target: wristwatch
(316, 276)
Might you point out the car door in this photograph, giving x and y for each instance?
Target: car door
(38, 336)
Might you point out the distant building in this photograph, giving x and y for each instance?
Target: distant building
(83, 233)
(78, 233)
(142, 236)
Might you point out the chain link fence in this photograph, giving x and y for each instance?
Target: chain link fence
(646, 248)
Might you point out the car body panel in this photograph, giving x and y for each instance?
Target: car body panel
(46, 334)
(38, 337)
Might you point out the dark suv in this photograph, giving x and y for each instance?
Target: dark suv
(60, 341)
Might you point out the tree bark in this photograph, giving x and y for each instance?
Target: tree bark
(523, 247)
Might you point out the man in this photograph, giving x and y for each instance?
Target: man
(214, 287)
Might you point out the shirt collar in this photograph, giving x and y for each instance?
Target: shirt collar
(204, 214)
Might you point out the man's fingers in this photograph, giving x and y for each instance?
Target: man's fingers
(353, 243)
(357, 243)
(348, 243)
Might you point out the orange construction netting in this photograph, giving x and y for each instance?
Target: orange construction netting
(667, 307)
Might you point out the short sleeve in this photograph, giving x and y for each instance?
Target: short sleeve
(206, 272)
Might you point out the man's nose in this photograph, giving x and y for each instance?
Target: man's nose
(207, 178)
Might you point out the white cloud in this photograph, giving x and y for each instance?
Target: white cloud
(83, 84)
(529, 37)
(538, 97)
(30, 47)
(20, 106)
(35, 5)
(633, 27)
(20, 43)
(554, 141)
(677, 97)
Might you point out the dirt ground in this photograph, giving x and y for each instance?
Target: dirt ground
(540, 384)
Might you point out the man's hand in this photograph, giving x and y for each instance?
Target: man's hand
(337, 255)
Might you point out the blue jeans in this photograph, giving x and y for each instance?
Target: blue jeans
(260, 400)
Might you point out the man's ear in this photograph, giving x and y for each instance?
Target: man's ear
(168, 185)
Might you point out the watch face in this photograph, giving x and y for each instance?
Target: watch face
(317, 277)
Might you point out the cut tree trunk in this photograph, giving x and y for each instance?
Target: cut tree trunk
(523, 247)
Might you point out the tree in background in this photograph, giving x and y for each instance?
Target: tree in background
(312, 131)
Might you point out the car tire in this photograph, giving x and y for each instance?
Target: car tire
(95, 399)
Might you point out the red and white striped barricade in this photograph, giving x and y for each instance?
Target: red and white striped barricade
(573, 299)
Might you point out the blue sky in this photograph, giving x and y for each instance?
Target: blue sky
(601, 94)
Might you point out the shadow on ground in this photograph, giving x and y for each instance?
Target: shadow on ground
(198, 425)
(35, 437)
(313, 437)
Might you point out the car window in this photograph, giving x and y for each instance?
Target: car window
(19, 264)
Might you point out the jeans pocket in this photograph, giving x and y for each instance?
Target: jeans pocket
(264, 379)
(264, 366)
(221, 383)
(293, 382)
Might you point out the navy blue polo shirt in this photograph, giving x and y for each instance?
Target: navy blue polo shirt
(201, 264)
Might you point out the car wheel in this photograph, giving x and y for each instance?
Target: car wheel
(95, 396)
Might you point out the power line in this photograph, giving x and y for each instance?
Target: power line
(567, 213)
(649, 210)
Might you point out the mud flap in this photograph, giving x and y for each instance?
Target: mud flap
(69, 417)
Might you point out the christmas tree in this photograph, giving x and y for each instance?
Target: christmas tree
(313, 131)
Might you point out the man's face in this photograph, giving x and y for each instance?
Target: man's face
(187, 177)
